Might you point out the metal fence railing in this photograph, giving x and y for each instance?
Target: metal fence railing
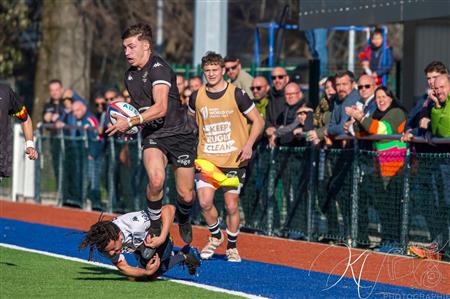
(300, 193)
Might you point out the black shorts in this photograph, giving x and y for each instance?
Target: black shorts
(180, 150)
(202, 182)
(164, 252)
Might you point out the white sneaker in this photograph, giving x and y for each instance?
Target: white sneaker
(208, 250)
(233, 255)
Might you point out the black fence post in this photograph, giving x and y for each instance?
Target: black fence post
(271, 190)
(61, 156)
(314, 78)
(398, 78)
(355, 194)
(405, 202)
(311, 191)
(111, 175)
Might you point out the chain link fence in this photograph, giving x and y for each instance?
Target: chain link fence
(306, 193)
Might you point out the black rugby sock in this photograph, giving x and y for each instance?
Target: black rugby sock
(154, 210)
(232, 239)
(183, 212)
(215, 230)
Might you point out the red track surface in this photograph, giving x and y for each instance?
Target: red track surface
(390, 269)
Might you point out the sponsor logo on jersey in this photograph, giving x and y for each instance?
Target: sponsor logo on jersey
(157, 64)
(183, 160)
(232, 174)
(129, 77)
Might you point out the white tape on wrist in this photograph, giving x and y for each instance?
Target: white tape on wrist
(141, 119)
(29, 143)
(130, 124)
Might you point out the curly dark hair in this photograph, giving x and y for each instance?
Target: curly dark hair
(98, 236)
(212, 58)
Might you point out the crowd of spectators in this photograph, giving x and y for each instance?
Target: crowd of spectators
(351, 106)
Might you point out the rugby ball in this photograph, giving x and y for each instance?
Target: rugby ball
(123, 109)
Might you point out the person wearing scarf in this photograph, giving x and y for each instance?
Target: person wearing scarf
(388, 119)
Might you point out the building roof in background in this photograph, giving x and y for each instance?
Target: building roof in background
(331, 13)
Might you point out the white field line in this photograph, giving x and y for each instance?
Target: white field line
(75, 259)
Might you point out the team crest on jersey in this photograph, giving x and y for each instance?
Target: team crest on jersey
(204, 112)
(157, 64)
(144, 77)
(135, 218)
(129, 77)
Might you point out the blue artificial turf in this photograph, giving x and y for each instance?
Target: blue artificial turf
(255, 278)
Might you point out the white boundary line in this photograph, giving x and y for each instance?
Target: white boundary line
(75, 259)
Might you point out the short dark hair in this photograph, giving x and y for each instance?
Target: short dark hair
(212, 58)
(377, 31)
(196, 78)
(53, 81)
(99, 236)
(143, 31)
(345, 73)
(436, 66)
(230, 58)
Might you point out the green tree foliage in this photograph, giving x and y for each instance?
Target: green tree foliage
(14, 20)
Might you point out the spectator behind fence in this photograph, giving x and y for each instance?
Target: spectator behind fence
(87, 120)
(288, 121)
(276, 99)
(440, 114)
(195, 82)
(366, 103)
(237, 76)
(12, 105)
(260, 88)
(53, 108)
(100, 106)
(67, 118)
(376, 61)
(420, 115)
(347, 97)
(322, 113)
(182, 85)
(126, 95)
(389, 118)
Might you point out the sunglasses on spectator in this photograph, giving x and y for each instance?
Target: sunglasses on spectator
(258, 88)
(279, 77)
(366, 86)
(231, 68)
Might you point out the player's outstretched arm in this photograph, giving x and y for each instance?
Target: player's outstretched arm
(167, 217)
(134, 272)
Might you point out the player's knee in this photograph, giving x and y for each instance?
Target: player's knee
(232, 208)
(186, 195)
(156, 183)
(205, 205)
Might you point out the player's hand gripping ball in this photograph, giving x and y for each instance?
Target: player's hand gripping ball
(123, 109)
